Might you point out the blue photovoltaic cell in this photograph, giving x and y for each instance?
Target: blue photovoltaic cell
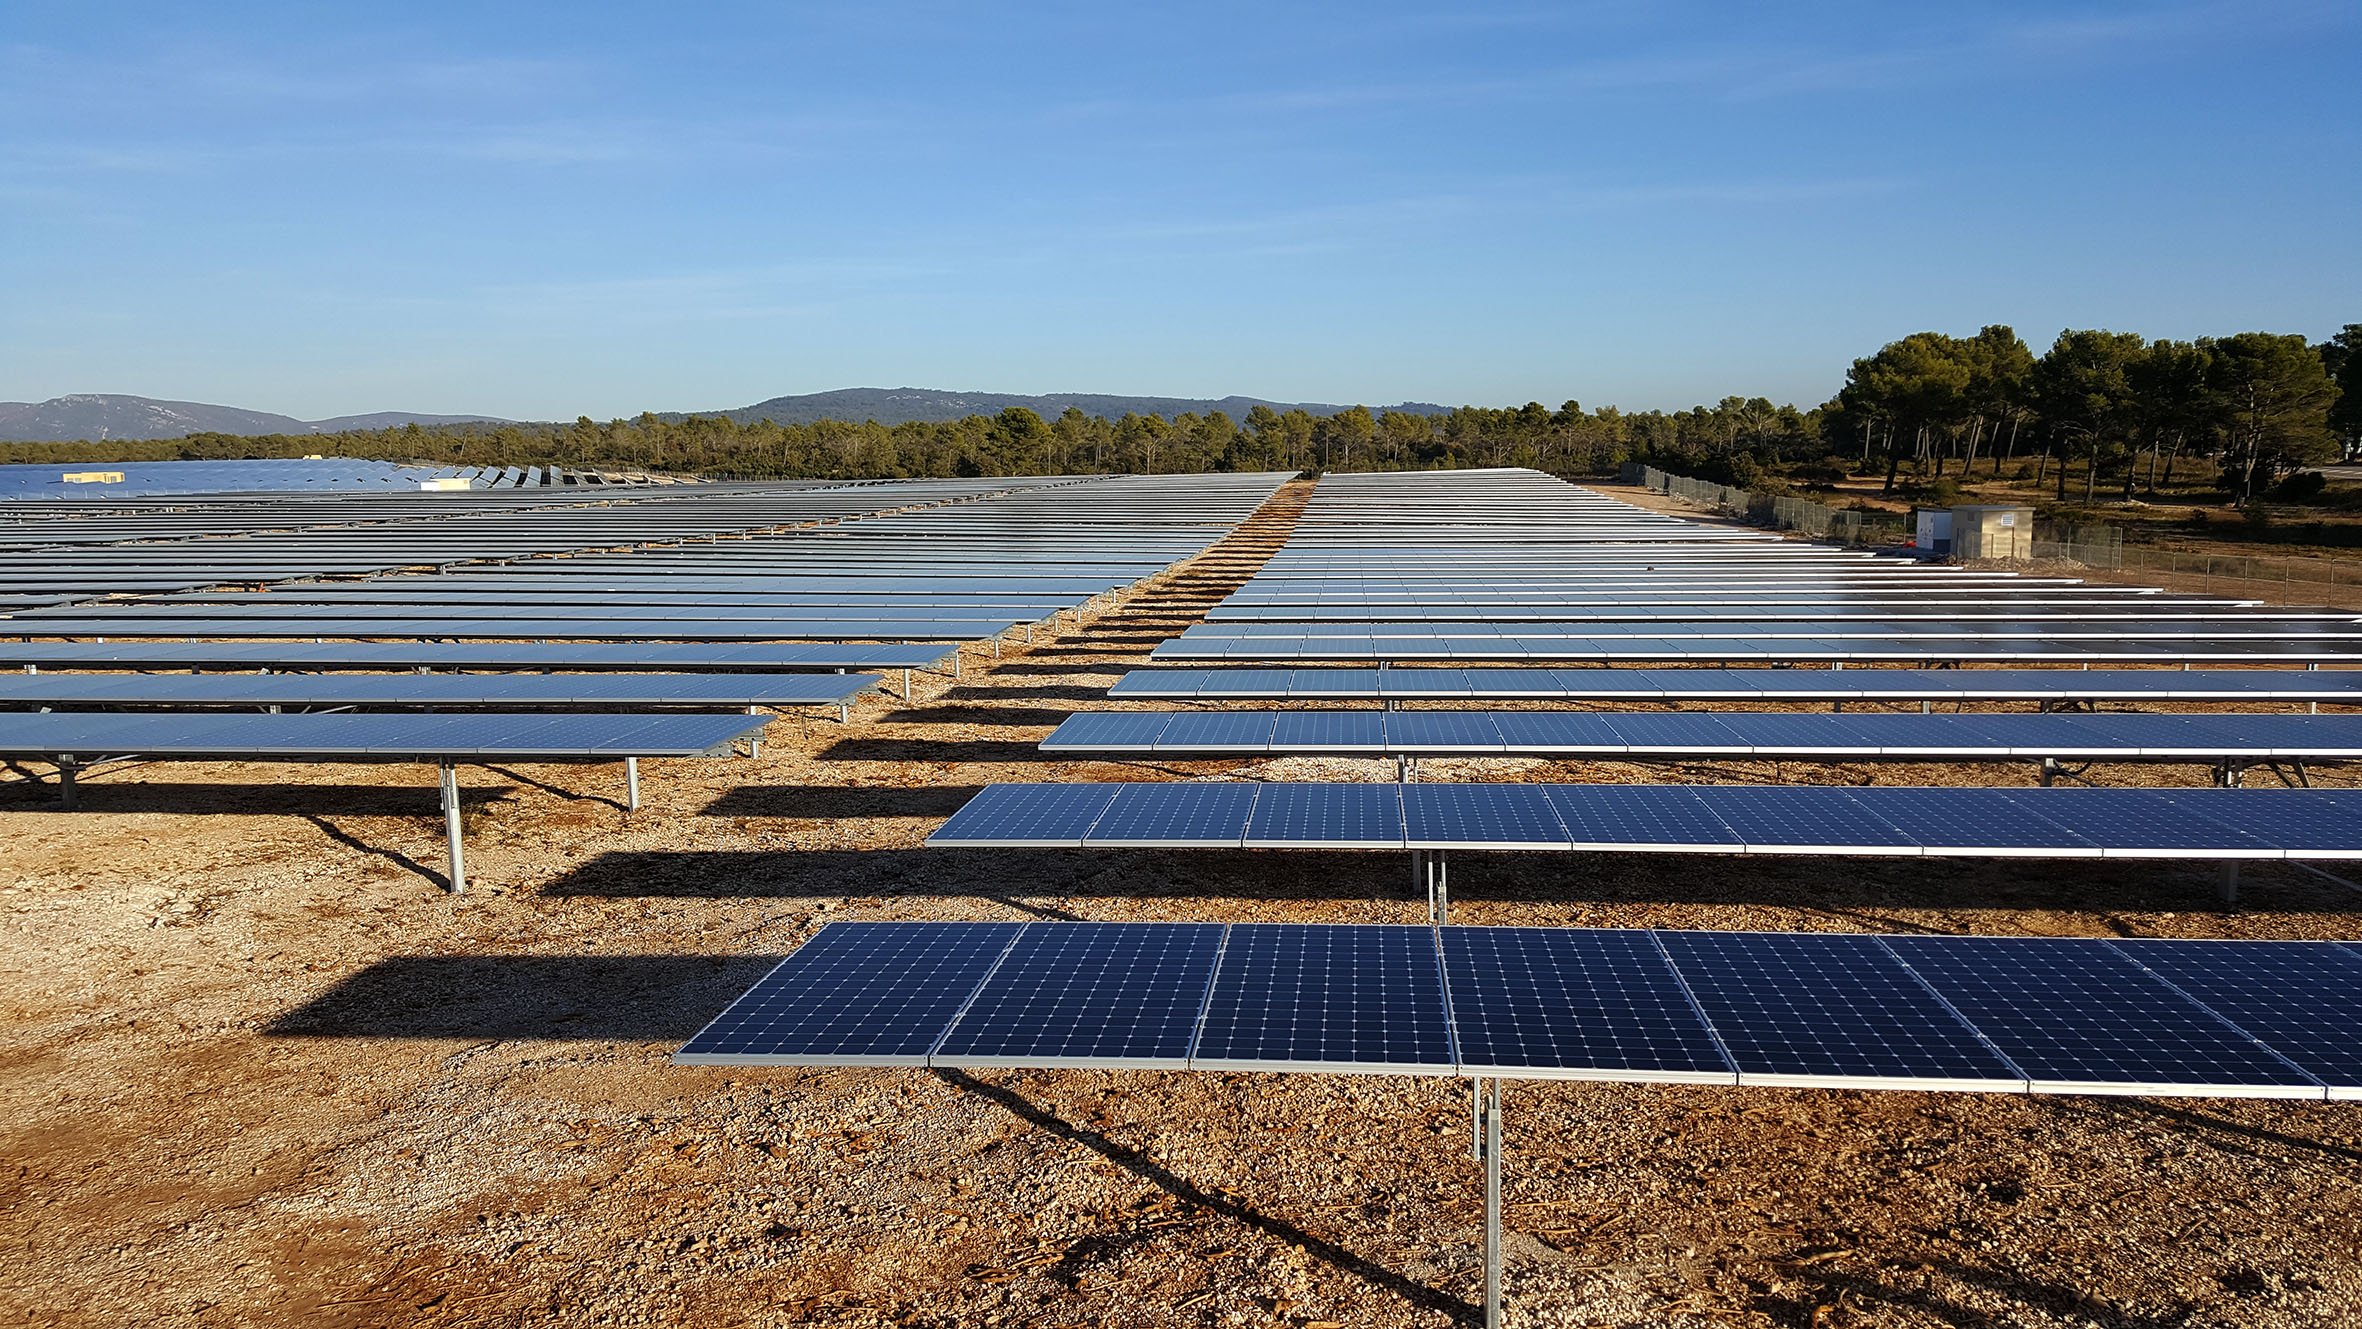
(1977, 821)
(1217, 731)
(1480, 816)
(2073, 1012)
(1822, 1007)
(1441, 731)
(1557, 732)
(1329, 731)
(1309, 684)
(1839, 735)
(1802, 819)
(1607, 816)
(2307, 823)
(1326, 816)
(1160, 684)
(1096, 993)
(1107, 731)
(857, 994)
(2302, 999)
(1185, 816)
(1247, 683)
(2143, 822)
(1590, 1002)
(1339, 997)
(1026, 816)
(1678, 733)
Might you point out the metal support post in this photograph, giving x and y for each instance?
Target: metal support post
(2050, 769)
(458, 877)
(2228, 888)
(631, 784)
(1489, 1106)
(66, 794)
(906, 683)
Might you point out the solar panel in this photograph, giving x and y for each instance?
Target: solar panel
(2304, 823)
(1026, 816)
(1984, 823)
(1578, 1003)
(1217, 732)
(1667, 817)
(2301, 999)
(1090, 994)
(1328, 731)
(1811, 1009)
(370, 737)
(1480, 816)
(1343, 997)
(2078, 1017)
(1803, 819)
(1326, 816)
(1441, 731)
(1107, 731)
(1174, 816)
(857, 994)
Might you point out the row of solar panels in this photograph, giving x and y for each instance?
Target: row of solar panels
(471, 690)
(652, 656)
(475, 736)
(2014, 1015)
(1658, 735)
(1874, 821)
(1709, 684)
(1724, 650)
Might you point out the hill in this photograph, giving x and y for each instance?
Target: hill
(101, 415)
(934, 406)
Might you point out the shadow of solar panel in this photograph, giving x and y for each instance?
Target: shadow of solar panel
(2079, 1017)
(1090, 994)
(1329, 731)
(1574, 1003)
(857, 994)
(2301, 999)
(1025, 816)
(1342, 997)
(1480, 816)
(1175, 816)
(1837, 1011)
(1326, 816)
(1803, 820)
(1107, 731)
(1656, 817)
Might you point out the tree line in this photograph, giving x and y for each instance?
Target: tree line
(2106, 406)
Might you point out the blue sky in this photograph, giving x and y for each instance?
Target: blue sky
(546, 211)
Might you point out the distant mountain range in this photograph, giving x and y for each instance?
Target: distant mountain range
(100, 416)
(932, 406)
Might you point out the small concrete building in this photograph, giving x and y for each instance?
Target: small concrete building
(1992, 530)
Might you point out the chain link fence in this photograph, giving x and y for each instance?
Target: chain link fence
(2073, 549)
(1818, 521)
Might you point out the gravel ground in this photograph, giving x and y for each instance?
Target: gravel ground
(255, 1068)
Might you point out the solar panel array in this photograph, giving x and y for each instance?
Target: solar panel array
(1741, 685)
(1513, 566)
(1661, 735)
(1876, 821)
(2262, 1019)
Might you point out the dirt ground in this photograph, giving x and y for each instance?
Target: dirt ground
(257, 1069)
